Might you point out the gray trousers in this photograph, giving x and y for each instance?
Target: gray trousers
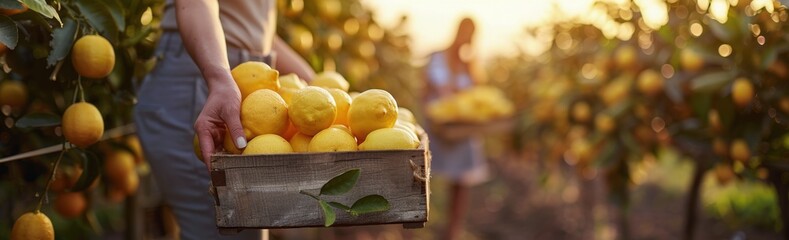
(169, 101)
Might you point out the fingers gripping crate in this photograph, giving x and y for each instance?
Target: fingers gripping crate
(273, 191)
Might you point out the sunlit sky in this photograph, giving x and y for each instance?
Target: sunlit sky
(499, 22)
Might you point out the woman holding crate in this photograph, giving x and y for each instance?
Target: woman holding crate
(460, 160)
(191, 91)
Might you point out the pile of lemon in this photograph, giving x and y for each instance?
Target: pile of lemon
(283, 114)
(478, 104)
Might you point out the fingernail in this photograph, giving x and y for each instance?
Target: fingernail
(241, 142)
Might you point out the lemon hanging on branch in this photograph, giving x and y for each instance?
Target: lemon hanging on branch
(93, 56)
(82, 124)
(33, 225)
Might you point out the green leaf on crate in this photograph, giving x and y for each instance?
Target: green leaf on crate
(33, 120)
(100, 18)
(340, 206)
(607, 157)
(41, 7)
(711, 82)
(341, 183)
(370, 204)
(328, 213)
(720, 31)
(701, 104)
(90, 171)
(62, 40)
(9, 34)
(11, 4)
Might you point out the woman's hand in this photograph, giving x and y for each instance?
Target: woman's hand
(222, 110)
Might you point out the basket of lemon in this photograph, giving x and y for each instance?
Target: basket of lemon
(478, 110)
(318, 157)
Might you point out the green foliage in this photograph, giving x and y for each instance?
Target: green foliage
(745, 204)
(342, 184)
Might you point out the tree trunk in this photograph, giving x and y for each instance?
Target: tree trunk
(782, 191)
(692, 203)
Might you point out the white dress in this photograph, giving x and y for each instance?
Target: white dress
(462, 160)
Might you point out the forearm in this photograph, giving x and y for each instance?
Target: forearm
(288, 61)
(201, 31)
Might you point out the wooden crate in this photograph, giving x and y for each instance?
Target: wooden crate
(263, 191)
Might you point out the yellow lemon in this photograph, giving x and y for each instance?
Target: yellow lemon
(650, 82)
(582, 112)
(33, 225)
(626, 56)
(71, 204)
(330, 79)
(267, 144)
(408, 126)
(690, 60)
(373, 109)
(196, 146)
(312, 110)
(133, 142)
(264, 112)
(290, 85)
(406, 115)
(118, 164)
(93, 56)
(291, 81)
(742, 92)
(389, 139)
(342, 127)
(343, 101)
(252, 76)
(332, 140)
(739, 150)
(129, 184)
(300, 142)
(605, 123)
(82, 124)
(13, 93)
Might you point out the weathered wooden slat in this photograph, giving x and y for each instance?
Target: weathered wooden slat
(262, 191)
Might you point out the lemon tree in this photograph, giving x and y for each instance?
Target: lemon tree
(613, 94)
(69, 73)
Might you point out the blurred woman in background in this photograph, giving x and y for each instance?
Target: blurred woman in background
(461, 161)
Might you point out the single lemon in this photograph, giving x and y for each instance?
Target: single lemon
(742, 92)
(117, 165)
(82, 124)
(373, 109)
(264, 112)
(196, 146)
(93, 56)
(13, 93)
(268, 144)
(33, 225)
(739, 150)
(312, 110)
(252, 76)
(332, 140)
(406, 115)
(650, 82)
(331, 79)
(389, 139)
(129, 184)
(290, 85)
(292, 81)
(408, 126)
(133, 142)
(343, 101)
(300, 142)
(71, 204)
